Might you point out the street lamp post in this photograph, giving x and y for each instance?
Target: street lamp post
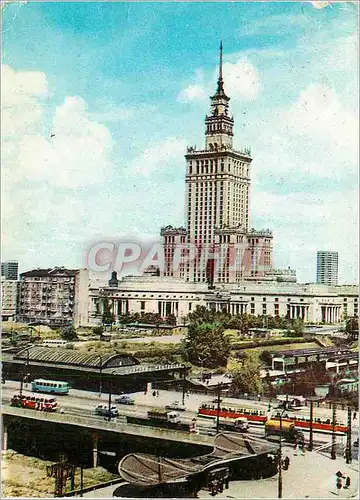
(27, 371)
(311, 438)
(100, 381)
(109, 403)
(184, 386)
(333, 433)
(280, 483)
(348, 454)
(218, 408)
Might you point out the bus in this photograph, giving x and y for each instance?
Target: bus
(34, 402)
(253, 414)
(50, 386)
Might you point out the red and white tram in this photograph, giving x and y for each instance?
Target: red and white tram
(254, 415)
(34, 402)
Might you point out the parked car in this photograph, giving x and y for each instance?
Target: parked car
(103, 410)
(175, 405)
(125, 399)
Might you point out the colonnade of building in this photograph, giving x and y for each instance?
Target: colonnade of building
(298, 311)
(229, 307)
(180, 302)
(330, 314)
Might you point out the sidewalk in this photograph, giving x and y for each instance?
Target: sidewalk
(309, 476)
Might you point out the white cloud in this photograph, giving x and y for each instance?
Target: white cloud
(75, 151)
(192, 93)
(21, 95)
(242, 80)
(45, 157)
(158, 157)
(318, 4)
(319, 113)
(304, 223)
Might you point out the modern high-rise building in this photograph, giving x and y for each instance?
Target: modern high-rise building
(217, 207)
(10, 269)
(327, 264)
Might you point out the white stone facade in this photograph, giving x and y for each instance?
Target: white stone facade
(310, 302)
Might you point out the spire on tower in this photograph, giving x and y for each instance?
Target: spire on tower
(220, 85)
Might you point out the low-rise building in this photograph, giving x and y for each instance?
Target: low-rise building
(166, 295)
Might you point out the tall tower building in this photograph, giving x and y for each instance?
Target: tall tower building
(217, 209)
(10, 269)
(217, 180)
(327, 268)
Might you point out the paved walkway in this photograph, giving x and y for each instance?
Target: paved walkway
(309, 476)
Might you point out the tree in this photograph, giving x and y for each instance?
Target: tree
(266, 357)
(352, 328)
(246, 375)
(202, 315)
(68, 333)
(171, 320)
(298, 327)
(98, 330)
(205, 345)
(108, 317)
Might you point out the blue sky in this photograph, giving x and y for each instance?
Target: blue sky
(100, 101)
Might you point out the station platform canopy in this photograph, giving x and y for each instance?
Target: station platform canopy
(71, 357)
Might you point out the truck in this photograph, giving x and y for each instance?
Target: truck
(287, 432)
(164, 416)
(240, 424)
(160, 418)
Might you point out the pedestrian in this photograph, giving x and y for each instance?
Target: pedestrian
(157, 394)
(354, 416)
(338, 485)
(259, 397)
(347, 483)
(296, 444)
(286, 463)
(154, 393)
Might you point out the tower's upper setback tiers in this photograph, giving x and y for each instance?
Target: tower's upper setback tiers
(219, 127)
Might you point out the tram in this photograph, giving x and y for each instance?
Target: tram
(34, 402)
(319, 425)
(254, 415)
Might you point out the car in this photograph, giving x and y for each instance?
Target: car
(356, 443)
(175, 405)
(103, 410)
(125, 399)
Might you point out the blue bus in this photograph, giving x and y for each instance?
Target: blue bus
(51, 386)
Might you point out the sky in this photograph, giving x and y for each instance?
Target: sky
(100, 101)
